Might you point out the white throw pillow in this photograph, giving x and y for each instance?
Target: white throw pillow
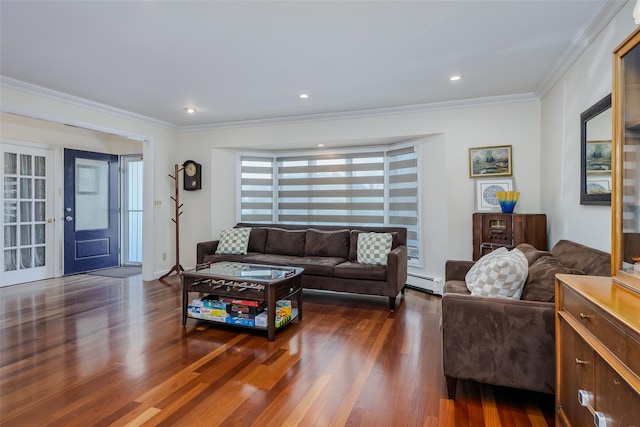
(234, 241)
(504, 276)
(475, 271)
(373, 248)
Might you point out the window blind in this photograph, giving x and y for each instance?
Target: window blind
(331, 189)
(256, 189)
(374, 188)
(403, 195)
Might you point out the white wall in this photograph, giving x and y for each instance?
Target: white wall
(158, 146)
(585, 83)
(450, 200)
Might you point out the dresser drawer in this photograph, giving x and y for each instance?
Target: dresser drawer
(578, 370)
(614, 397)
(633, 355)
(592, 319)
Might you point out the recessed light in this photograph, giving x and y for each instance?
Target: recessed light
(303, 96)
(454, 78)
(320, 145)
(190, 110)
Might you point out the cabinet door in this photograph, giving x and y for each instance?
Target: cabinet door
(615, 398)
(576, 373)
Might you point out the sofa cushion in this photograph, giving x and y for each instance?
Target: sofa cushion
(455, 287)
(373, 248)
(355, 270)
(258, 239)
(540, 283)
(233, 241)
(589, 260)
(476, 270)
(353, 243)
(531, 252)
(503, 276)
(327, 243)
(285, 242)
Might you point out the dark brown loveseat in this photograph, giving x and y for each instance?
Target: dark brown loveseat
(328, 255)
(510, 342)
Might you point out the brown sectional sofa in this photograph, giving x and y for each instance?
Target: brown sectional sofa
(510, 342)
(327, 253)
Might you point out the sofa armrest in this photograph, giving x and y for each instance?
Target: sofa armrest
(499, 341)
(205, 248)
(397, 268)
(456, 270)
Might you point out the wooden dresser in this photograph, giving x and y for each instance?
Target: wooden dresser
(493, 230)
(597, 352)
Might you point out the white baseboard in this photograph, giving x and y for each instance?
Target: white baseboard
(433, 285)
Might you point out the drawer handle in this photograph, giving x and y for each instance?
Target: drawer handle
(581, 362)
(584, 316)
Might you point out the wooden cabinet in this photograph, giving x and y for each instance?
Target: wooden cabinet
(493, 230)
(597, 352)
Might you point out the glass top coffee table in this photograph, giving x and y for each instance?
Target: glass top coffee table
(244, 282)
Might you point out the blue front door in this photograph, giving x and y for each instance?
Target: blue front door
(91, 212)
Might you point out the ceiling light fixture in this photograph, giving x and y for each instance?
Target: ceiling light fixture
(454, 78)
(190, 110)
(320, 145)
(303, 96)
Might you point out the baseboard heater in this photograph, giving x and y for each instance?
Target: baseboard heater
(428, 284)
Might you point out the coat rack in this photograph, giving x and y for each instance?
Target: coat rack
(177, 268)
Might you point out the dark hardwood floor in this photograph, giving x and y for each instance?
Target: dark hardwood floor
(95, 351)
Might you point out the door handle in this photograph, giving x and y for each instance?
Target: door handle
(51, 220)
(68, 218)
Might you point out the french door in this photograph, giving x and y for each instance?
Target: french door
(28, 219)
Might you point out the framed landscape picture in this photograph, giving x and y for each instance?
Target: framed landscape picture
(486, 200)
(490, 161)
(598, 157)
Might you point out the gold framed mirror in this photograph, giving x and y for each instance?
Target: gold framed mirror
(625, 253)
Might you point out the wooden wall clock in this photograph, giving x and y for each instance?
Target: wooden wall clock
(192, 175)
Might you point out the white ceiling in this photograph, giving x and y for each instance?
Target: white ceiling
(248, 60)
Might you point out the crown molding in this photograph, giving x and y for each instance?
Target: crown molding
(9, 83)
(582, 40)
(376, 112)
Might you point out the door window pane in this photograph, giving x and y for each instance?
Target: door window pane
(10, 212)
(25, 164)
(25, 235)
(92, 194)
(25, 188)
(10, 163)
(39, 234)
(39, 259)
(10, 260)
(25, 258)
(39, 166)
(10, 187)
(10, 236)
(39, 211)
(25, 212)
(40, 189)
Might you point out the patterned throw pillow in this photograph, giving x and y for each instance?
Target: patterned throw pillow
(373, 248)
(503, 277)
(475, 271)
(234, 241)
